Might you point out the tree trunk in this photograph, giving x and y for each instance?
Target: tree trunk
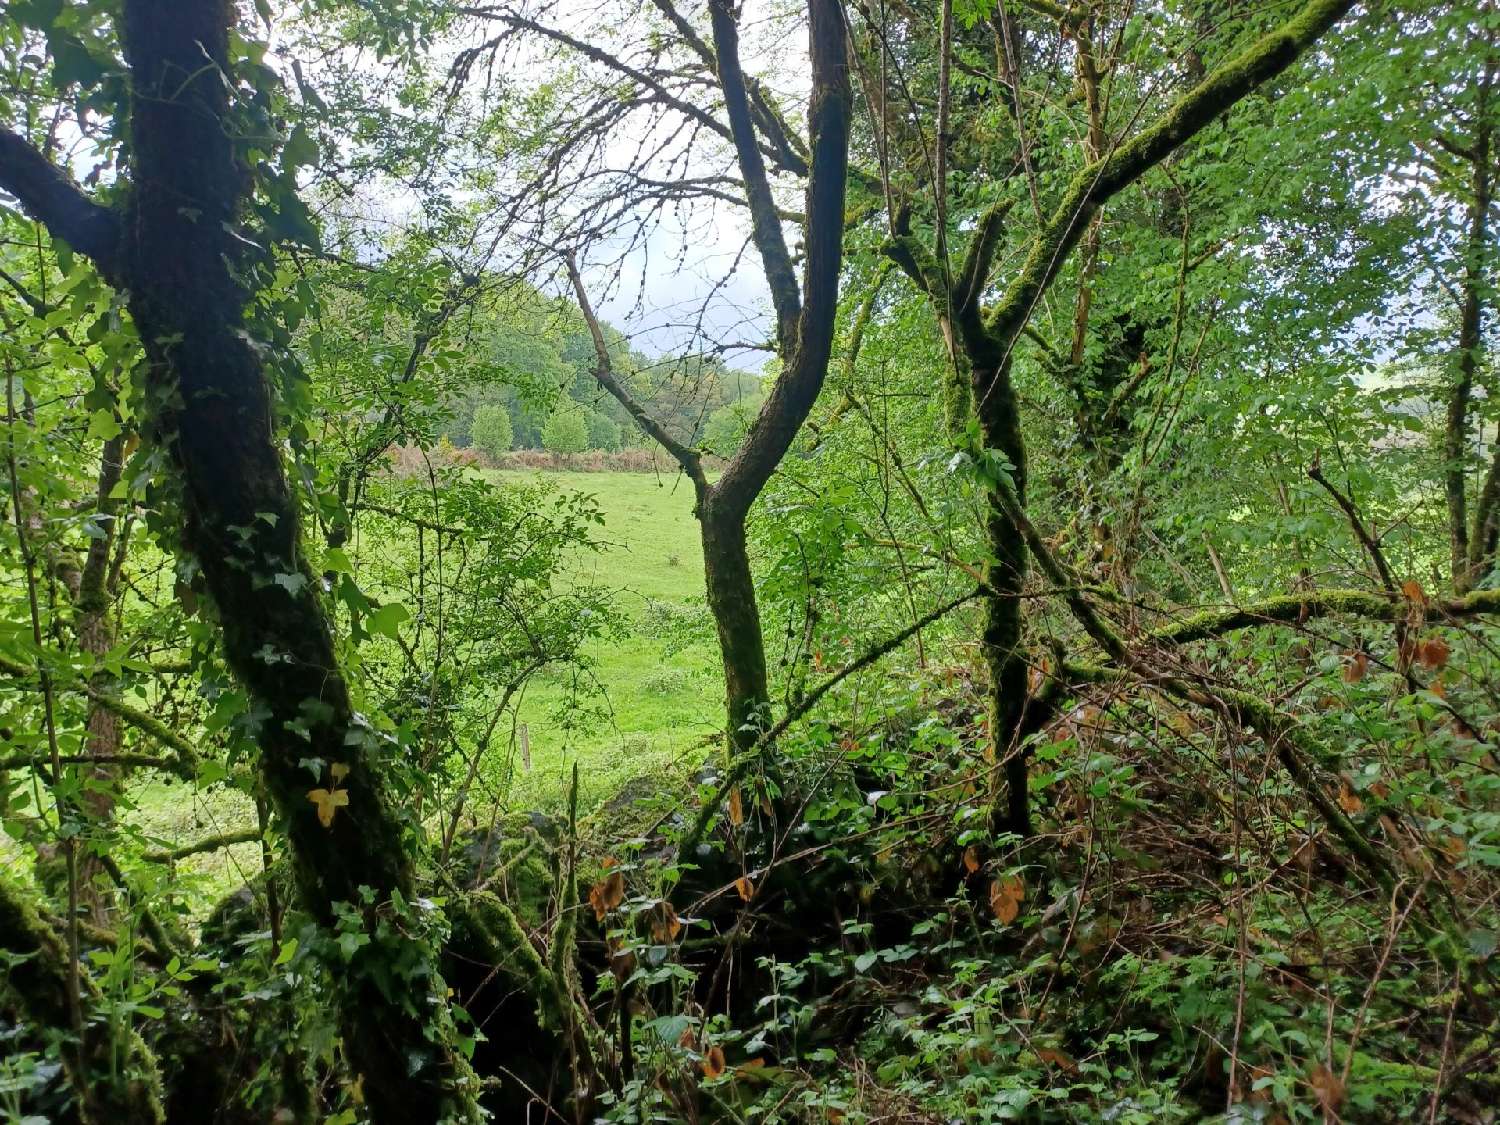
(242, 527)
(731, 600)
(96, 636)
(1477, 550)
(1002, 641)
(1469, 555)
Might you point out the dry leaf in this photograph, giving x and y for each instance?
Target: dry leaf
(1349, 800)
(1053, 1057)
(1355, 670)
(621, 960)
(1255, 1074)
(665, 925)
(1413, 591)
(971, 859)
(1006, 896)
(1433, 653)
(713, 1062)
(1329, 1090)
(327, 800)
(745, 887)
(1437, 689)
(607, 894)
(687, 1039)
(736, 807)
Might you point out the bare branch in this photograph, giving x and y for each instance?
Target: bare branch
(689, 458)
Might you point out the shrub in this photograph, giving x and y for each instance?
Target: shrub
(604, 432)
(491, 430)
(565, 432)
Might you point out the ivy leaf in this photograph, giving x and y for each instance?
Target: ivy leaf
(327, 801)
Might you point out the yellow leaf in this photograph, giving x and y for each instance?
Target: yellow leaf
(745, 887)
(736, 807)
(328, 800)
(1006, 896)
(338, 771)
(1413, 591)
(713, 1062)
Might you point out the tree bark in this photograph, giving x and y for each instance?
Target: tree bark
(96, 636)
(1471, 553)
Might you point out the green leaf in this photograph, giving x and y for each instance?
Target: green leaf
(387, 620)
(102, 425)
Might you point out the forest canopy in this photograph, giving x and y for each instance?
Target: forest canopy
(794, 561)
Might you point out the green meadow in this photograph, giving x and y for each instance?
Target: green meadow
(658, 677)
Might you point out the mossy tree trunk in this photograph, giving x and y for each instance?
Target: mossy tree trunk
(1473, 549)
(110, 1067)
(173, 249)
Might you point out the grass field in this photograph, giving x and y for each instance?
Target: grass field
(660, 704)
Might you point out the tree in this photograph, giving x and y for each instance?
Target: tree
(983, 336)
(805, 314)
(491, 430)
(604, 431)
(176, 249)
(565, 431)
(727, 426)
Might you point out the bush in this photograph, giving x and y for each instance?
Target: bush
(491, 430)
(727, 426)
(604, 432)
(565, 432)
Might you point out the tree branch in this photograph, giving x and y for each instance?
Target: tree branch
(1116, 171)
(765, 225)
(807, 343)
(1318, 603)
(49, 196)
(690, 459)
